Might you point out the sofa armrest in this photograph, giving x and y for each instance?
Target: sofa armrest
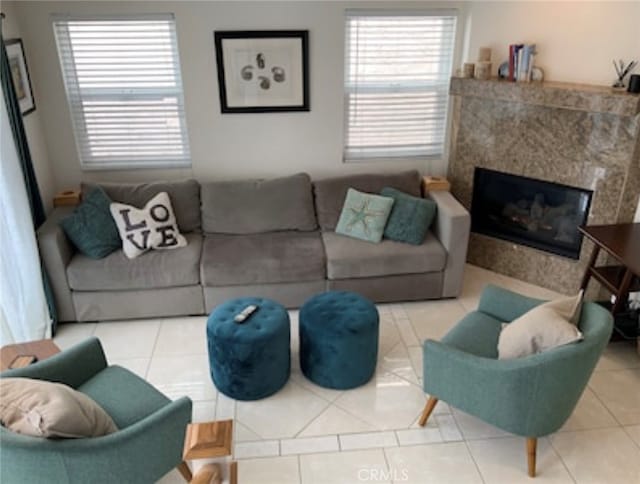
(56, 251)
(73, 366)
(451, 227)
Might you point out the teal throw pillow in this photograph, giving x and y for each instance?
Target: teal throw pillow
(364, 215)
(410, 217)
(91, 228)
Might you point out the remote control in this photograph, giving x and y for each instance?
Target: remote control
(243, 315)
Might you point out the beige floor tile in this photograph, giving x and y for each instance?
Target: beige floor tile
(386, 402)
(474, 428)
(283, 414)
(504, 461)
(399, 362)
(589, 413)
(335, 420)
(274, 470)
(345, 467)
(634, 432)
(138, 366)
(448, 463)
(618, 356)
(70, 334)
(204, 411)
(619, 390)
(434, 320)
(599, 456)
(176, 376)
(128, 339)
(182, 336)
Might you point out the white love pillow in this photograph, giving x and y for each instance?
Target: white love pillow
(151, 227)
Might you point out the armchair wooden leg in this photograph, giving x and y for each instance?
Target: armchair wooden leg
(428, 408)
(183, 468)
(532, 444)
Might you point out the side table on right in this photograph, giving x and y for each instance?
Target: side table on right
(622, 242)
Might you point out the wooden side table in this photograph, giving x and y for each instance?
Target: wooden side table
(13, 356)
(207, 440)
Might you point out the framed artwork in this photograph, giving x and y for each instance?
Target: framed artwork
(262, 71)
(20, 75)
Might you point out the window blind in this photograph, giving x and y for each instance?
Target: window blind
(396, 84)
(123, 84)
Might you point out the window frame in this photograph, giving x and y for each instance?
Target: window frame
(78, 126)
(455, 60)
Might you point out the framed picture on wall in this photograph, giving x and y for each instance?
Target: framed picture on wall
(20, 75)
(261, 71)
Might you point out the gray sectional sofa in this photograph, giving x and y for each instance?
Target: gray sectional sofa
(269, 238)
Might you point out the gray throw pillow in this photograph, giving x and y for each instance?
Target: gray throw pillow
(91, 228)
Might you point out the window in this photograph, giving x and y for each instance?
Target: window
(396, 84)
(123, 83)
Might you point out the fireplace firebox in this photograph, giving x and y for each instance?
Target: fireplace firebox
(530, 212)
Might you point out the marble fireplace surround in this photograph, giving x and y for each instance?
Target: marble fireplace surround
(577, 135)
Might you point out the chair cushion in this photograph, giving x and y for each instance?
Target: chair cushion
(91, 228)
(544, 327)
(257, 206)
(185, 198)
(477, 333)
(350, 258)
(364, 216)
(410, 217)
(262, 258)
(46, 409)
(126, 397)
(331, 192)
(153, 269)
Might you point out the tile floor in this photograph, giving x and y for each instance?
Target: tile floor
(308, 434)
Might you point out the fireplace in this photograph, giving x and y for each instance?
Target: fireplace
(530, 212)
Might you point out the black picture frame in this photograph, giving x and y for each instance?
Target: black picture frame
(20, 75)
(270, 70)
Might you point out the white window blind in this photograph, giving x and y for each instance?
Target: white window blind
(123, 83)
(396, 83)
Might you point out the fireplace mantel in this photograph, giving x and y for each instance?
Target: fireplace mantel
(580, 97)
(582, 136)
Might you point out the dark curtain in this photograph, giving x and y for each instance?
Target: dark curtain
(24, 155)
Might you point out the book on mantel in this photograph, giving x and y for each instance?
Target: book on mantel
(521, 61)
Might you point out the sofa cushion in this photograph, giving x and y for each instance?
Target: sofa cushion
(91, 228)
(330, 193)
(364, 216)
(185, 198)
(257, 206)
(153, 269)
(262, 258)
(410, 217)
(350, 258)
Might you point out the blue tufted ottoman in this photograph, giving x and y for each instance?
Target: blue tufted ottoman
(338, 339)
(251, 360)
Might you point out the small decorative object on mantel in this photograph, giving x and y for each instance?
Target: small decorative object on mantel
(634, 84)
(483, 67)
(467, 69)
(520, 66)
(622, 71)
(263, 71)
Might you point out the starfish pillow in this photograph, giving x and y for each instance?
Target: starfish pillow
(364, 216)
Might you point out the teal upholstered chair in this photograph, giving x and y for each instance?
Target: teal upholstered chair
(531, 396)
(147, 446)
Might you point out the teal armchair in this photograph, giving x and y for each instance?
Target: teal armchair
(148, 444)
(531, 396)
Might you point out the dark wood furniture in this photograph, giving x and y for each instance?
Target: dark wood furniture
(11, 355)
(622, 242)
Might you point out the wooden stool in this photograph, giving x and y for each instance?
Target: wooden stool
(207, 440)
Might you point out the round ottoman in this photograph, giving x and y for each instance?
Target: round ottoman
(338, 339)
(250, 360)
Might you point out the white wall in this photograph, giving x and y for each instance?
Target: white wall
(576, 43)
(32, 121)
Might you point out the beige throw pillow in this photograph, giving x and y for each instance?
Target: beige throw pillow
(151, 227)
(543, 327)
(44, 409)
